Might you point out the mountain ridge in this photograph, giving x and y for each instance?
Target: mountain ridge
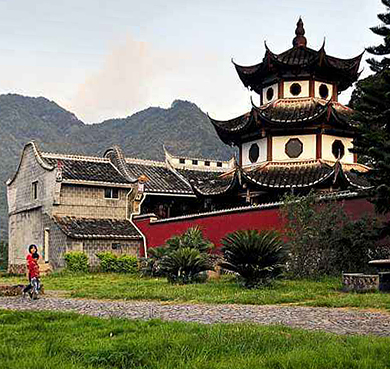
(183, 128)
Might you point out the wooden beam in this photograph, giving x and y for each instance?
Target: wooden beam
(334, 95)
(354, 157)
(281, 89)
(319, 146)
(311, 87)
(269, 148)
(240, 155)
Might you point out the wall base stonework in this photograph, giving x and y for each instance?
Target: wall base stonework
(17, 269)
(360, 282)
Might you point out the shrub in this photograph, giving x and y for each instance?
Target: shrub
(257, 257)
(323, 240)
(168, 259)
(110, 262)
(185, 265)
(76, 261)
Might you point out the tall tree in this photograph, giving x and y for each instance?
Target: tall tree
(371, 102)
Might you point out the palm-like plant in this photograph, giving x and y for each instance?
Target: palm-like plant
(185, 265)
(257, 257)
(193, 238)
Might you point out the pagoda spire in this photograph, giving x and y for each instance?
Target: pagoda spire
(299, 40)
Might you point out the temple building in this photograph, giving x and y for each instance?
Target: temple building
(296, 138)
(297, 135)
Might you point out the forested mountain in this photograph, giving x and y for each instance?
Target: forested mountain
(183, 128)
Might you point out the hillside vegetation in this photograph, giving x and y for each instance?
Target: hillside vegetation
(183, 128)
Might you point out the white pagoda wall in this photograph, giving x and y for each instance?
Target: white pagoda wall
(327, 142)
(304, 89)
(262, 151)
(279, 143)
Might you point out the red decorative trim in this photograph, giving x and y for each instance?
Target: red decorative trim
(334, 95)
(354, 157)
(319, 146)
(240, 155)
(269, 148)
(281, 89)
(311, 88)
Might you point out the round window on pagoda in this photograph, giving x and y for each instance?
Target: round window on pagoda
(294, 148)
(338, 149)
(254, 153)
(295, 89)
(324, 91)
(270, 94)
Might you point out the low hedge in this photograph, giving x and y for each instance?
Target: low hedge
(112, 263)
(76, 261)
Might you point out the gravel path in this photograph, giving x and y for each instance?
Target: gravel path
(338, 321)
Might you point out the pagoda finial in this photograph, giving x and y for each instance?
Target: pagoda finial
(299, 40)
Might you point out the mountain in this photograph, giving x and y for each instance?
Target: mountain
(183, 128)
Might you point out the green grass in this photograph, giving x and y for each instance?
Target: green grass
(44, 340)
(325, 292)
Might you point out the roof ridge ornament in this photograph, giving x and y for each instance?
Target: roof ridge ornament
(299, 40)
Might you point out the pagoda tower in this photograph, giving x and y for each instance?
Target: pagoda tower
(299, 136)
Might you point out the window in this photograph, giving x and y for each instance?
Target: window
(116, 246)
(194, 162)
(254, 153)
(219, 164)
(270, 94)
(34, 190)
(324, 91)
(293, 148)
(111, 193)
(338, 150)
(182, 161)
(295, 89)
(207, 163)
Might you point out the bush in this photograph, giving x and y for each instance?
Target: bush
(323, 240)
(110, 262)
(257, 257)
(76, 261)
(177, 265)
(185, 265)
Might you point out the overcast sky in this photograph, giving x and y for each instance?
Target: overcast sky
(105, 59)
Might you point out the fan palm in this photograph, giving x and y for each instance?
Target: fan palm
(257, 257)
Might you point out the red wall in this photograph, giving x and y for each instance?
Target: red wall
(216, 226)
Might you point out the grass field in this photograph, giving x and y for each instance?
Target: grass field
(38, 340)
(325, 292)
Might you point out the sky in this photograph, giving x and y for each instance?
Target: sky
(109, 59)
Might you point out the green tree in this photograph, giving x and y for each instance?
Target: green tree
(371, 102)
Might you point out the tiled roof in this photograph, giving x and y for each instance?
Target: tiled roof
(342, 71)
(160, 178)
(87, 169)
(88, 228)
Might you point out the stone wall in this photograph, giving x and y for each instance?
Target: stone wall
(89, 202)
(122, 247)
(360, 282)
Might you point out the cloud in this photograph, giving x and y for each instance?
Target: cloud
(136, 75)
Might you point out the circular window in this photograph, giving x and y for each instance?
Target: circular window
(270, 94)
(295, 89)
(338, 149)
(324, 91)
(254, 153)
(293, 148)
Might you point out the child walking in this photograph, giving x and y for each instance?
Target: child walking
(33, 273)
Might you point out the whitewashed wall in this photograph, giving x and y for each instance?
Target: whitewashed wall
(327, 142)
(279, 143)
(262, 151)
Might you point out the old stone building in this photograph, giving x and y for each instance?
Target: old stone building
(82, 203)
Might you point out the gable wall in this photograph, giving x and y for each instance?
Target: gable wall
(89, 202)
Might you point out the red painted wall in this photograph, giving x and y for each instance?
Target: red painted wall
(216, 226)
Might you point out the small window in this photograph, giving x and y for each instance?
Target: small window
(116, 246)
(254, 153)
(338, 149)
(295, 89)
(182, 161)
(270, 94)
(219, 164)
(293, 148)
(324, 91)
(34, 190)
(207, 163)
(194, 162)
(111, 193)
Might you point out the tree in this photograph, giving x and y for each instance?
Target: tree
(371, 102)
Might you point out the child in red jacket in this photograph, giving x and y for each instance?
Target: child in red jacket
(33, 273)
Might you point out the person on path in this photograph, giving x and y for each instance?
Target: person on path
(33, 273)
